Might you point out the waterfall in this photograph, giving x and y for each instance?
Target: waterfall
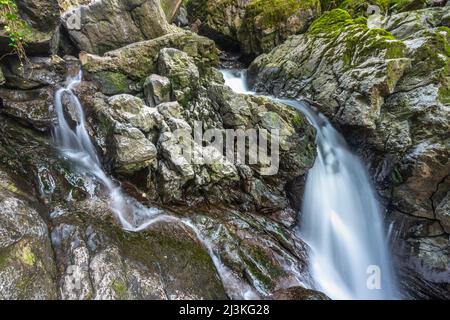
(75, 143)
(341, 220)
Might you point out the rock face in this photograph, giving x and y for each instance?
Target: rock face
(386, 88)
(83, 254)
(28, 91)
(90, 26)
(254, 26)
(42, 16)
(299, 293)
(58, 237)
(196, 100)
(26, 258)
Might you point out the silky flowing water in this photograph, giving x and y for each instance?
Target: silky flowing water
(340, 218)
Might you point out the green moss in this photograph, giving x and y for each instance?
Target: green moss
(261, 267)
(444, 94)
(359, 7)
(272, 12)
(331, 22)
(396, 176)
(197, 9)
(297, 120)
(433, 56)
(360, 41)
(120, 289)
(406, 5)
(112, 82)
(28, 256)
(4, 257)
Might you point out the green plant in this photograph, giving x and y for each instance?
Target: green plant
(15, 28)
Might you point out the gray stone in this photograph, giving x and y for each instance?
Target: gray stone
(133, 151)
(105, 25)
(157, 89)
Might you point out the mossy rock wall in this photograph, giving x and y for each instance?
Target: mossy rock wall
(252, 26)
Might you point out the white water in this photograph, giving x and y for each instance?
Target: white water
(341, 219)
(75, 144)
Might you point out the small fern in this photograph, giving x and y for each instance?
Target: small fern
(16, 29)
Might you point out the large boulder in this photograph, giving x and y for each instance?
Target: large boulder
(124, 70)
(385, 85)
(254, 26)
(90, 26)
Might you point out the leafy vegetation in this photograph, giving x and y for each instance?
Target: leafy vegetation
(15, 28)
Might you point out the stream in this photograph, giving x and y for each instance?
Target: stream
(340, 219)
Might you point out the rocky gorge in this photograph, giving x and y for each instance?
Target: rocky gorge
(151, 68)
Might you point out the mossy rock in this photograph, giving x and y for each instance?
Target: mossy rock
(359, 7)
(131, 65)
(164, 262)
(112, 83)
(273, 12)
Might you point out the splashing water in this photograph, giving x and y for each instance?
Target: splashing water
(236, 80)
(75, 144)
(341, 219)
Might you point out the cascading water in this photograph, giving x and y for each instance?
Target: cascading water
(75, 144)
(341, 219)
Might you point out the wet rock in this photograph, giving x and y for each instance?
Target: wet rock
(133, 20)
(27, 269)
(219, 20)
(131, 110)
(421, 254)
(299, 293)
(241, 244)
(66, 5)
(37, 72)
(29, 89)
(372, 76)
(29, 106)
(100, 261)
(2, 77)
(267, 23)
(95, 259)
(443, 212)
(405, 24)
(157, 89)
